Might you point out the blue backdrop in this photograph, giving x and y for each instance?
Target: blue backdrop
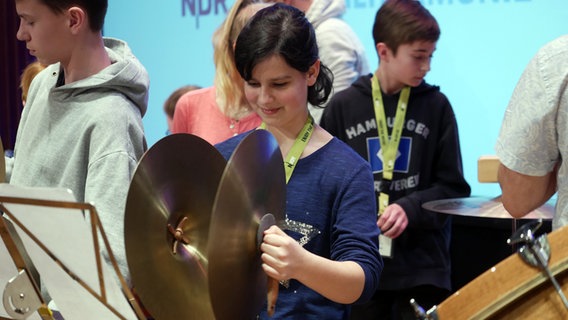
(483, 49)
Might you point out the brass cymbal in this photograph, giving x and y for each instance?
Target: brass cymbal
(2, 164)
(484, 208)
(253, 185)
(167, 222)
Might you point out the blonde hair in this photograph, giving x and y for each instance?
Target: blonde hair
(228, 83)
(28, 75)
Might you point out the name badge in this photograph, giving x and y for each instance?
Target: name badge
(385, 246)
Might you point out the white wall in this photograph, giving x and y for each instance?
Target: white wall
(483, 49)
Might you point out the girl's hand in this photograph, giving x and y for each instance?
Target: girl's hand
(281, 255)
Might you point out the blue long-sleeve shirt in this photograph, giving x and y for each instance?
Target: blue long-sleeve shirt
(330, 206)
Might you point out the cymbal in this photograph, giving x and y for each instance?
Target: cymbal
(167, 220)
(253, 185)
(2, 164)
(484, 207)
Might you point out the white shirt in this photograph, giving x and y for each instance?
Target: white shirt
(534, 133)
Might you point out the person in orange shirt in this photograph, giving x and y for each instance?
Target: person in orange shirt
(221, 111)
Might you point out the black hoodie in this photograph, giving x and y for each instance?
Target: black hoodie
(429, 167)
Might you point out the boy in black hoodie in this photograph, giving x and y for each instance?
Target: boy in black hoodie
(407, 131)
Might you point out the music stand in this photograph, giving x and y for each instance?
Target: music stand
(61, 237)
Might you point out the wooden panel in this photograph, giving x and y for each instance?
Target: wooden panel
(487, 168)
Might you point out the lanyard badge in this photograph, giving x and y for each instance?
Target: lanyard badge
(389, 149)
(298, 147)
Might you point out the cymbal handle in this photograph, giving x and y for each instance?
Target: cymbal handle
(271, 296)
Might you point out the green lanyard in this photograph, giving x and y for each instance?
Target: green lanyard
(298, 147)
(389, 146)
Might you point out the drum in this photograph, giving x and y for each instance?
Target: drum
(512, 289)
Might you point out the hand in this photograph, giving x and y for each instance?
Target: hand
(281, 255)
(393, 221)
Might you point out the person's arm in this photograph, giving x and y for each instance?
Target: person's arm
(529, 144)
(522, 193)
(283, 259)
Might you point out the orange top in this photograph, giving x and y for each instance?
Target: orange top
(197, 113)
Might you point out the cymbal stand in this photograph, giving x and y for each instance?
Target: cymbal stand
(536, 252)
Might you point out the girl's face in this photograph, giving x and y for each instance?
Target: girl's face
(278, 93)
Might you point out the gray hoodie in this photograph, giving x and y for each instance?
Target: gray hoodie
(339, 47)
(86, 136)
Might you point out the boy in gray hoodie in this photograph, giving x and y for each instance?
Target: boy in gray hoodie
(81, 128)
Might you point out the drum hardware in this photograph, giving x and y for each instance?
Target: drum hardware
(536, 252)
(421, 314)
(512, 289)
(479, 207)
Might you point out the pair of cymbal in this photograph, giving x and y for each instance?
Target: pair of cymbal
(193, 224)
(484, 207)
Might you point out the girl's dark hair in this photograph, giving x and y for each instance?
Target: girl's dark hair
(282, 30)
